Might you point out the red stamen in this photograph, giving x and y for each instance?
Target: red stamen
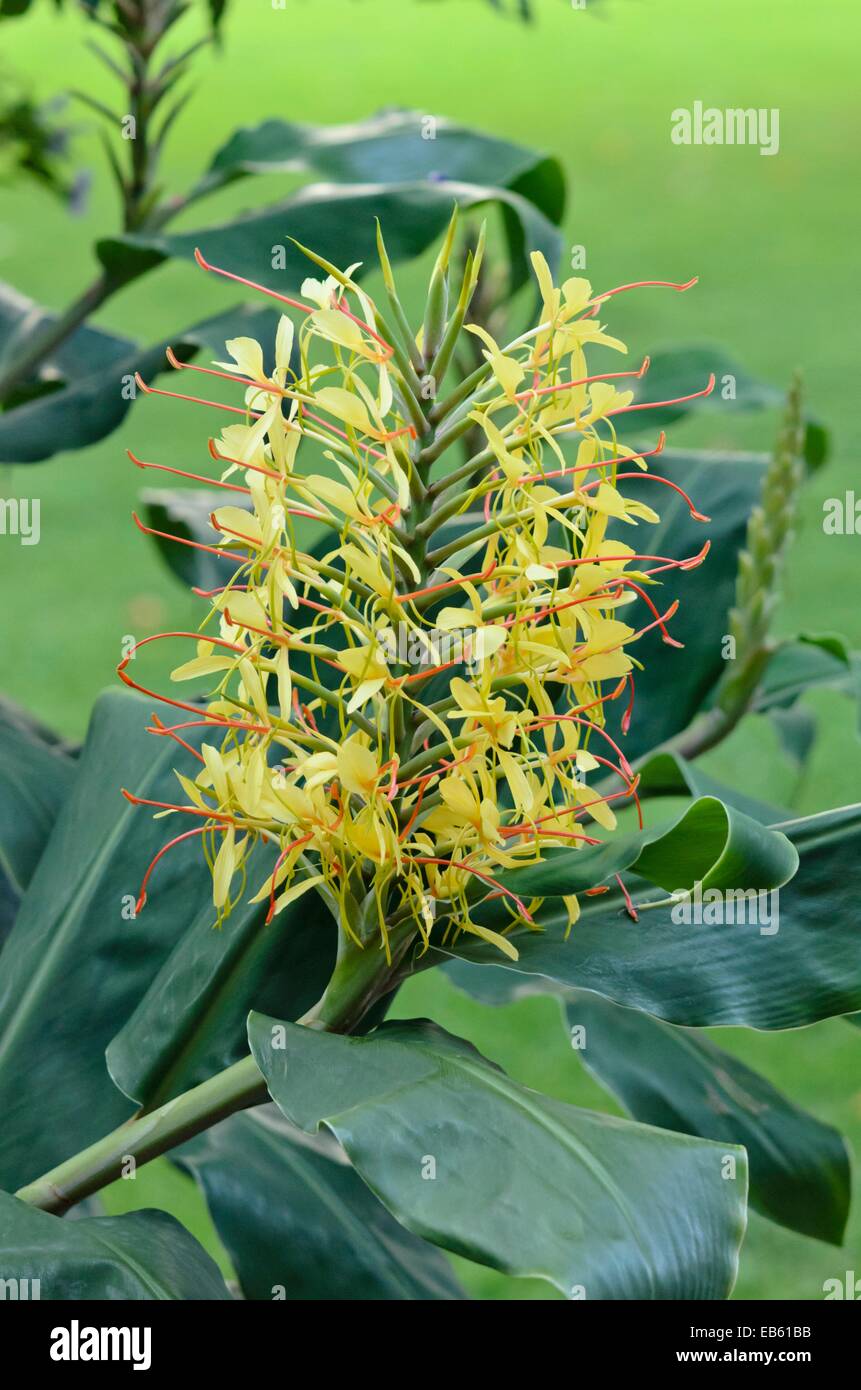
(186, 835)
(158, 728)
(583, 381)
(654, 478)
(251, 284)
(449, 584)
(658, 405)
(180, 473)
(644, 284)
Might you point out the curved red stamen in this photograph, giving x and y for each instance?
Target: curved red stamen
(213, 721)
(532, 393)
(629, 906)
(598, 463)
(251, 284)
(658, 405)
(158, 728)
(183, 810)
(670, 641)
(654, 478)
(186, 835)
(180, 473)
(449, 584)
(645, 284)
(547, 719)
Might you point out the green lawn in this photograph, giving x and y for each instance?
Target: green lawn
(773, 240)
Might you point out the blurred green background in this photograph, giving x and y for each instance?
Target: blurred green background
(773, 240)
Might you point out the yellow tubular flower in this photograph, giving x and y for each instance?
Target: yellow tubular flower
(376, 702)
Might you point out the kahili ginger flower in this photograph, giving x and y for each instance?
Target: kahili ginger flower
(378, 705)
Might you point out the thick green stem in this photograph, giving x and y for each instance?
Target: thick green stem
(146, 1137)
(361, 977)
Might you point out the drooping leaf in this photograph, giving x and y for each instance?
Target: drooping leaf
(89, 383)
(778, 971)
(77, 960)
(678, 1079)
(339, 222)
(297, 1221)
(471, 1161)
(143, 1255)
(393, 147)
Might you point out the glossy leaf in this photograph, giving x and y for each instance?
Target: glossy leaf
(77, 961)
(766, 974)
(141, 1256)
(191, 1022)
(522, 1182)
(297, 1221)
(339, 223)
(92, 383)
(665, 773)
(679, 1080)
(392, 147)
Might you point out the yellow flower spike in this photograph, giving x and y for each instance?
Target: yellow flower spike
(377, 708)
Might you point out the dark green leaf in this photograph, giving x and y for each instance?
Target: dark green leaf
(77, 962)
(598, 1207)
(668, 774)
(724, 490)
(697, 975)
(143, 1255)
(35, 777)
(298, 1223)
(339, 224)
(191, 1023)
(91, 379)
(679, 1080)
(394, 147)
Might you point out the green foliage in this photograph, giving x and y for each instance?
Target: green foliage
(566, 1185)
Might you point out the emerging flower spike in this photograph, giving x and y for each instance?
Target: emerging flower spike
(377, 705)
